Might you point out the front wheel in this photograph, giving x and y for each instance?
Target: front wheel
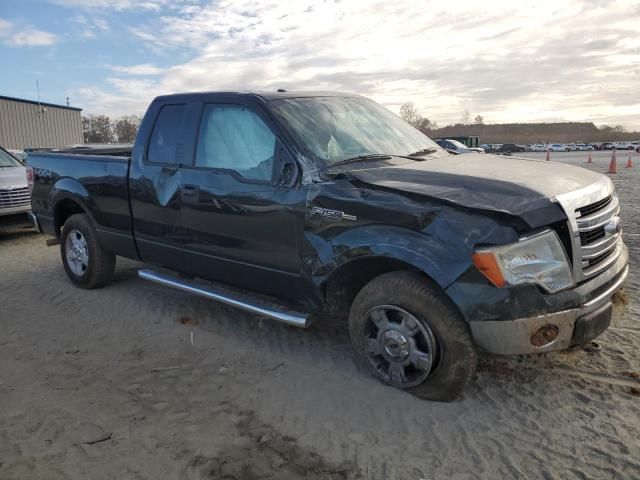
(87, 263)
(410, 336)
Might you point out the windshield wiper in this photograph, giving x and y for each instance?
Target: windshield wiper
(384, 156)
(424, 151)
(360, 158)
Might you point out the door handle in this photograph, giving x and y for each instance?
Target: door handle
(190, 193)
(170, 168)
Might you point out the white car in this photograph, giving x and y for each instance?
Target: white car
(15, 198)
(456, 146)
(624, 146)
(570, 147)
(557, 147)
(583, 147)
(19, 154)
(538, 148)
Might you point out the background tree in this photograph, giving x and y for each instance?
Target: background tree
(466, 116)
(479, 120)
(126, 128)
(410, 114)
(97, 129)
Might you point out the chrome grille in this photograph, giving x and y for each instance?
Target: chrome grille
(15, 197)
(596, 240)
(598, 234)
(594, 207)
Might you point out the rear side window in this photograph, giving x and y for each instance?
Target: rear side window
(233, 137)
(166, 134)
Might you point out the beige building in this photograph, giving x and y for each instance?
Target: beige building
(32, 124)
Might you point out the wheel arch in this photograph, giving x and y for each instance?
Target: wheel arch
(69, 197)
(346, 280)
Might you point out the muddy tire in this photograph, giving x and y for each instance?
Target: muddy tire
(409, 335)
(87, 263)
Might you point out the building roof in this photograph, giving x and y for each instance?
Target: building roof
(35, 102)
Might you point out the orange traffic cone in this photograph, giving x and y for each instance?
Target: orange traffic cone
(548, 159)
(613, 166)
(589, 161)
(629, 162)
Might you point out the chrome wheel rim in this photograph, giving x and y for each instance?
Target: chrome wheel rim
(77, 253)
(401, 350)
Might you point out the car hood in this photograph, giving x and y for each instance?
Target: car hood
(516, 186)
(13, 177)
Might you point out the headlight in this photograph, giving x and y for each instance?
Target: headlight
(539, 259)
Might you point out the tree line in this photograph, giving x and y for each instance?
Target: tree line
(524, 133)
(101, 129)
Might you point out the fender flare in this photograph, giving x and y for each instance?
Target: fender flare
(443, 262)
(70, 189)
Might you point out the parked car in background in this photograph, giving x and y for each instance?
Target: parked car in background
(607, 146)
(624, 146)
(570, 147)
(456, 146)
(487, 147)
(557, 147)
(538, 147)
(19, 154)
(583, 147)
(14, 191)
(511, 148)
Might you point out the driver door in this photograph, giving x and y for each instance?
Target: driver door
(239, 225)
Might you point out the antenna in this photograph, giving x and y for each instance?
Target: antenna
(38, 89)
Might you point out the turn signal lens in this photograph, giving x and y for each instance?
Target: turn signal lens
(30, 178)
(487, 264)
(540, 260)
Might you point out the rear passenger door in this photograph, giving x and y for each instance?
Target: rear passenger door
(155, 183)
(240, 224)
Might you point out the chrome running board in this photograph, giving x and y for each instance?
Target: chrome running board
(228, 296)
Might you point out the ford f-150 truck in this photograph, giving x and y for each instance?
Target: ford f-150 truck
(300, 206)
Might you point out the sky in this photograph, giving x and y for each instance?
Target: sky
(509, 61)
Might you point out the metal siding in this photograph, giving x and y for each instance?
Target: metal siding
(24, 125)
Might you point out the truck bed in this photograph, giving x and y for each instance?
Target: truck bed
(99, 183)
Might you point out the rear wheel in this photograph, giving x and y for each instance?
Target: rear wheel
(411, 337)
(87, 263)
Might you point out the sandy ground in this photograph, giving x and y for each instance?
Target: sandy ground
(136, 381)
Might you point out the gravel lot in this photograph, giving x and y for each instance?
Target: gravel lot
(136, 381)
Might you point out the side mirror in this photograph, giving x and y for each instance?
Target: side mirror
(287, 168)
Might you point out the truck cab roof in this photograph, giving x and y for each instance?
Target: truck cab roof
(265, 95)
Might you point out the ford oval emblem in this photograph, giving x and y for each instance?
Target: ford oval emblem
(613, 226)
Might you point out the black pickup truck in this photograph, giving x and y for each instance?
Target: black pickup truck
(299, 206)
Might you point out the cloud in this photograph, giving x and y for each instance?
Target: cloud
(90, 26)
(142, 69)
(153, 5)
(555, 60)
(26, 36)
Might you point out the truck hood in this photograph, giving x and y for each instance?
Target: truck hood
(515, 186)
(13, 177)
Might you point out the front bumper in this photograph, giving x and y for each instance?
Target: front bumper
(6, 211)
(570, 327)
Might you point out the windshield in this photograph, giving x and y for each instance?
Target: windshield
(6, 160)
(335, 129)
(457, 144)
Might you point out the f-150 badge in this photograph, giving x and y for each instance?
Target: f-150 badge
(337, 214)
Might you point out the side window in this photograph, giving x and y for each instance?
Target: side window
(232, 137)
(166, 134)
